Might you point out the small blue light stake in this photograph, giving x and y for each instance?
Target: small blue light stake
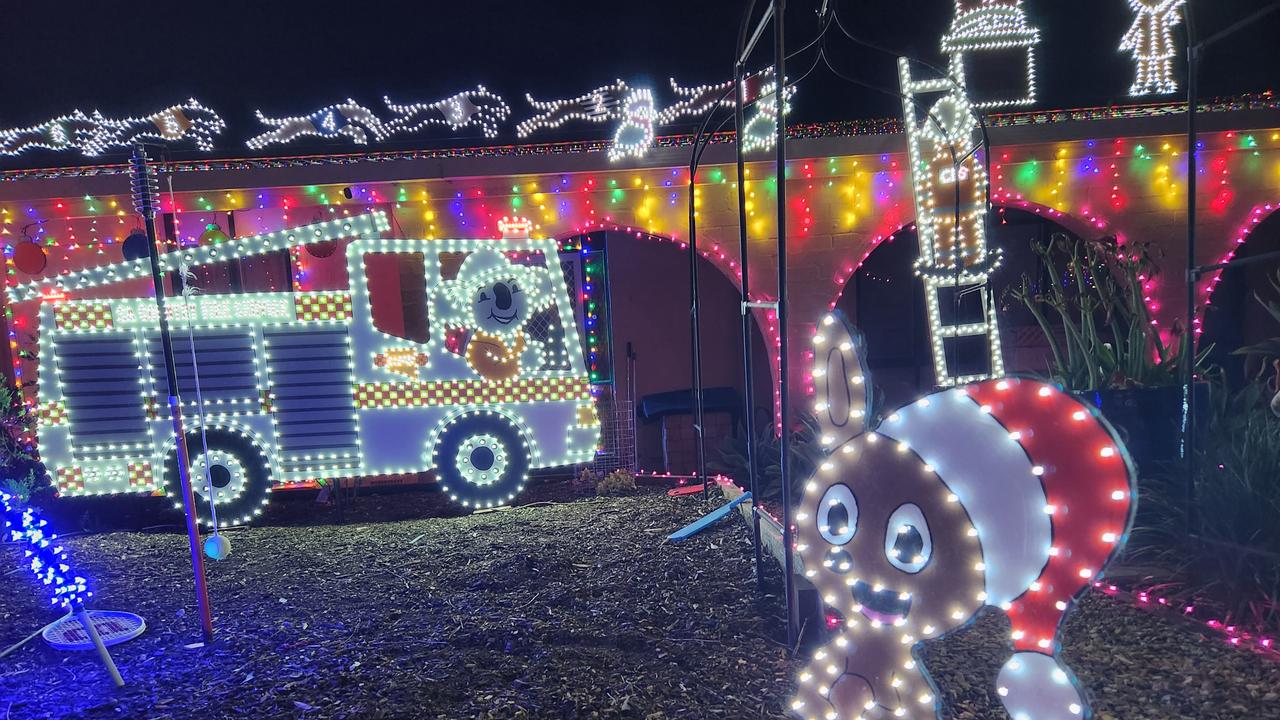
(48, 562)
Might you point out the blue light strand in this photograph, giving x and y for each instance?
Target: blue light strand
(46, 558)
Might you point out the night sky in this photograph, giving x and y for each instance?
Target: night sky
(289, 58)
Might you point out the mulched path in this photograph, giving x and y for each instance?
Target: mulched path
(574, 610)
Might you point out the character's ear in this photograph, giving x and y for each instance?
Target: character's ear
(843, 388)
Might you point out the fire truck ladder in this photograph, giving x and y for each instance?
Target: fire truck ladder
(954, 276)
(366, 225)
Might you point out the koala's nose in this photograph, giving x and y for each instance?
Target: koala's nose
(502, 296)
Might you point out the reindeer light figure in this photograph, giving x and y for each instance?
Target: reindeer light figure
(1150, 39)
(1007, 493)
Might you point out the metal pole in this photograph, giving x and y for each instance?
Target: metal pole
(143, 180)
(780, 74)
(694, 324)
(747, 368)
(1189, 353)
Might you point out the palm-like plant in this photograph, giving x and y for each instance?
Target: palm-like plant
(1096, 291)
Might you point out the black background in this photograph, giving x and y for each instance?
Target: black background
(290, 58)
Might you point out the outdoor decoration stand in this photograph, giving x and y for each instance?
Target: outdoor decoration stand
(1008, 493)
(48, 562)
(144, 190)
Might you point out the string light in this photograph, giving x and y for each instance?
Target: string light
(954, 258)
(472, 108)
(43, 555)
(348, 119)
(1150, 40)
(94, 134)
(985, 25)
(962, 527)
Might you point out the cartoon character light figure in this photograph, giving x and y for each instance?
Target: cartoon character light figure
(1150, 39)
(1007, 493)
(492, 299)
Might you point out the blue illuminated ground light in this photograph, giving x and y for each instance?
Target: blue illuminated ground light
(42, 553)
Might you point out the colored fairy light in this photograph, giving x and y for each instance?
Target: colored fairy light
(1150, 40)
(95, 133)
(961, 528)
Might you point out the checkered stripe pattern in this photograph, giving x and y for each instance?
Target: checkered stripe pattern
(53, 413)
(70, 480)
(470, 392)
(140, 477)
(83, 316)
(322, 307)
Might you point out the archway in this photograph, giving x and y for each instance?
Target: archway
(646, 316)
(1233, 318)
(885, 299)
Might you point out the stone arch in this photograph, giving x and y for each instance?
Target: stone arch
(1025, 349)
(648, 287)
(1228, 316)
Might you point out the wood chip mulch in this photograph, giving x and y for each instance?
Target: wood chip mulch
(575, 610)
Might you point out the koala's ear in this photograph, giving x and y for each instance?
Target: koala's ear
(843, 387)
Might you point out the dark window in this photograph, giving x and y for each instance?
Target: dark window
(397, 285)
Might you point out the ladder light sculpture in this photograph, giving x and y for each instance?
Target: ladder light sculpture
(950, 184)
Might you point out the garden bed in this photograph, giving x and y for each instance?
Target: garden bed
(575, 610)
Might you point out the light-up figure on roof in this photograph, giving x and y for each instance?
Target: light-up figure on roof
(1150, 39)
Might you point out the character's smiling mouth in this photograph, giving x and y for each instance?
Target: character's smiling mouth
(884, 605)
(502, 320)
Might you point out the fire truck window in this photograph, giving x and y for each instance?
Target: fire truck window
(397, 285)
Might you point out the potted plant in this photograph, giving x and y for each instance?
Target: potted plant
(1109, 351)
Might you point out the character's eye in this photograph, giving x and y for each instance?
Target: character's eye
(484, 297)
(514, 288)
(907, 544)
(838, 515)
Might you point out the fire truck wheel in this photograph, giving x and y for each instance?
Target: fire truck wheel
(482, 460)
(237, 470)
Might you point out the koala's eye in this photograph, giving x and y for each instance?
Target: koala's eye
(484, 296)
(514, 288)
(838, 515)
(907, 543)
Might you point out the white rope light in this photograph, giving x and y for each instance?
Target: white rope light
(95, 133)
(985, 25)
(1150, 40)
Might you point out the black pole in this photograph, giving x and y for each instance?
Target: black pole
(695, 327)
(779, 90)
(144, 191)
(1189, 352)
(747, 366)
(1195, 50)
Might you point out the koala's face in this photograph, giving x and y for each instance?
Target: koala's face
(887, 542)
(500, 307)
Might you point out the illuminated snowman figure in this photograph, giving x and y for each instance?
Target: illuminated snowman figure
(1150, 39)
(1006, 493)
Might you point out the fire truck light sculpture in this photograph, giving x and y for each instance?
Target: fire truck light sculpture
(473, 369)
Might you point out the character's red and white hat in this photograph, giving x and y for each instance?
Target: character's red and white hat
(1049, 490)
